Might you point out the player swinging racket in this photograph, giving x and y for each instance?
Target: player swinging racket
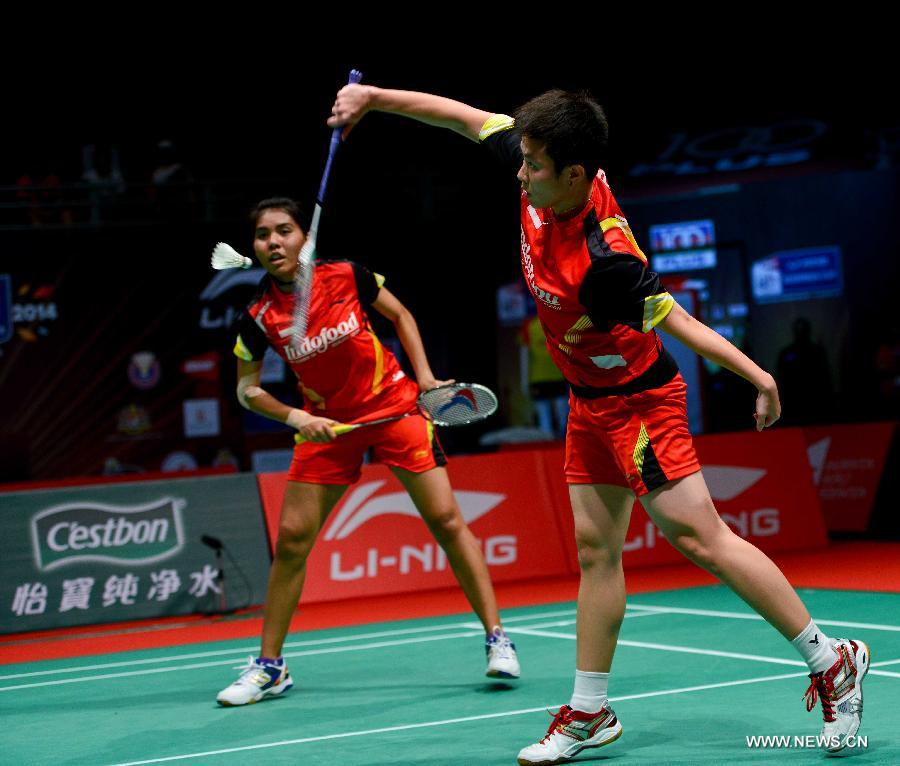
(599, 305)
(345, 375)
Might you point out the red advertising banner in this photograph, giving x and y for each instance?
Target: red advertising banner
(761, 485)
(517, 505)
(847, 463)
(375, 542)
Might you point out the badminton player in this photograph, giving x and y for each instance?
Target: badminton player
(345, 375)
(600, 307)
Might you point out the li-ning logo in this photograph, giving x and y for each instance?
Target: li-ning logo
(725, 483)
(361, 507)
(77, 532)
(548, 299)
(318, 344)
(464, 398)
(357, 511)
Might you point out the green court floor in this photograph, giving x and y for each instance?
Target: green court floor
(696, 674)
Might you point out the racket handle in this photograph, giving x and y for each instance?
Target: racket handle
(355, 77)
(340, 428)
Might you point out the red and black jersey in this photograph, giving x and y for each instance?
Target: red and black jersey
(597, 300)
(343, 371)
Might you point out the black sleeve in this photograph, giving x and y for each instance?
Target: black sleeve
(251, 340)
(505, 145)
(615, 291)
(367, 286)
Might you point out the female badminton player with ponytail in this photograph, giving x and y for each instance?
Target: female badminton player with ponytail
(345, 375)
(600, 305)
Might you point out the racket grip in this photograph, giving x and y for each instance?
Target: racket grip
(340, 428)
(355, 77)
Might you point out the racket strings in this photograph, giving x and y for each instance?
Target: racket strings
(458, 404)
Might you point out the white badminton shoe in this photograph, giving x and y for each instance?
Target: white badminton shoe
(256, 681)
(501, 655)
(839, 688)
(570, 732)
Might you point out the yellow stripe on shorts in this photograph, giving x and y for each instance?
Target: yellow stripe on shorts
(640, 448)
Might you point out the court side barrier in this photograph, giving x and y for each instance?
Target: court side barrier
(516, 503)
(762, 487)
(375, 542)
(112, 552)
(848, 462)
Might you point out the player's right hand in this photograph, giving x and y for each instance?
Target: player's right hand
(350, 104)
(318, 430)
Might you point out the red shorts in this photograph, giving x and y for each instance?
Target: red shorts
(640, 441)
(409, 443)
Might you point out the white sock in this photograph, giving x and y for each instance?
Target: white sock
(815, 648)
(589, 695)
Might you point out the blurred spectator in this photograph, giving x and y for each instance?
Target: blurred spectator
(887, 364)
(102, 172)
(38, 191)
(542, 380)
(172, 187)
(804, 379)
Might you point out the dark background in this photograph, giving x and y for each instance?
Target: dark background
(432, 212)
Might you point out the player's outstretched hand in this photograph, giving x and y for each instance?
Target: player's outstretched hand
(768, 407)
(426, 384)
(350, 105)
(318, 430)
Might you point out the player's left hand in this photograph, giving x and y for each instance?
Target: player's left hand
(768, 407)
(426, 384)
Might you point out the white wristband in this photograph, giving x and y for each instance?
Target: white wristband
(296, 419)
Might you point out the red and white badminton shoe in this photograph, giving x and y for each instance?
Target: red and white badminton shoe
(256, 681)
(570, 732)
(840, 691)
(502, 661)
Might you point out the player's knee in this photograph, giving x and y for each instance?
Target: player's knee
(595, 552)
(294, 543)
(445, 522)
(703, 549)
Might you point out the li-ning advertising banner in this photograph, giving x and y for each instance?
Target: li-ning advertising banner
(516, 504)
(114, 552)
(375, 542)
(847, 463)
(762, 487)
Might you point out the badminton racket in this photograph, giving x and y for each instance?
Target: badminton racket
(456, 404)
(306, 265)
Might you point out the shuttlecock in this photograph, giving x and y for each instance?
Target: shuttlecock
(224, 256)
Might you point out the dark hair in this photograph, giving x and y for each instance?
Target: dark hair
(572, 127)
(291, 207)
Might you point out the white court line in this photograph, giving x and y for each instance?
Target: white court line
(644, 610)
(240, 651)
(670, 648)
(237, 653)
(708, 652)
(467, 719)
(219, 663)
(754, 616)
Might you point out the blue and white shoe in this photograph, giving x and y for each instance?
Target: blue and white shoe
(501, 655)
(257, 680)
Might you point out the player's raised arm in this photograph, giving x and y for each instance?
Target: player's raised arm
(353, 101)
(710, 345)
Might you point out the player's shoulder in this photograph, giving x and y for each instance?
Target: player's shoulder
(335, 267)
